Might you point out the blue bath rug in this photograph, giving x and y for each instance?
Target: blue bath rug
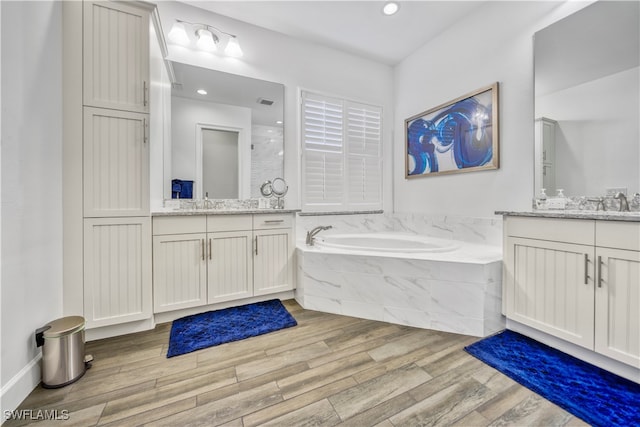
(596, 396)
(212, 328)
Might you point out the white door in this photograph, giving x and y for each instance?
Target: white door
(116, 163)
(179, 271)
(229, 266)
(549, 286)
(273, 261)
(117, 270)
(617, 321)
(116, 56)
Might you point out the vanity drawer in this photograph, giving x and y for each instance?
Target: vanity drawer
(618, 234)
(267, 221)
(559, 230)
(228, 222)
(179, 224)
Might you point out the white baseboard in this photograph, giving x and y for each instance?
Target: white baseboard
(19, 387)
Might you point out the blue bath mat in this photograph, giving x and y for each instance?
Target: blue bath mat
(596, 396)
(212, 328)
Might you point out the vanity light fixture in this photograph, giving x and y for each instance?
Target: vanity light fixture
(206, 37)
(390, 8)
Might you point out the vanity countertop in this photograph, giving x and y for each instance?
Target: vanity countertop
(185, 212)
(577, 214)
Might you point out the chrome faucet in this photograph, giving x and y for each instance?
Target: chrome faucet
(315, 231)
(624, 203)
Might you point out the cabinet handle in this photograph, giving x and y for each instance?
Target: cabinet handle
(586, 269)
(256, 245)
(202, 240)
(209, 248)
(274, 221)
(144, 131)
(145, 93)
(599, 266)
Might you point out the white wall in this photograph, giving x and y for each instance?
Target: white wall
(31, 187)
(596, 144)
(275, 57)
(492, 44)
(185, 115)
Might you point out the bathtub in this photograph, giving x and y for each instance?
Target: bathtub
(385, 242)
(406, 279)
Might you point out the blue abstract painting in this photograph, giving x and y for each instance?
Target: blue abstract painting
(461, 135)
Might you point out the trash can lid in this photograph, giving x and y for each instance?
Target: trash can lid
(64, 326)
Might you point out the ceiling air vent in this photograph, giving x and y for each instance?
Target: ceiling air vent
(264, 101)
(176, 86)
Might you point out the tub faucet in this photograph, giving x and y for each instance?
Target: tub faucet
(315, 231)
(624, 203)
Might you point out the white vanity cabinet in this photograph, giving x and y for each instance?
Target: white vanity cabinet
(209, 259)
(229, 260)
(273, 254)
(578, 280)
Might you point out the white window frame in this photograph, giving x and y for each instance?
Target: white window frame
(349, 152)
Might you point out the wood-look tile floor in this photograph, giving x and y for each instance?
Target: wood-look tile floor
(329, 370)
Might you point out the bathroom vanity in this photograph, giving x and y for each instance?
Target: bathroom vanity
(205, 257)
(576, 276)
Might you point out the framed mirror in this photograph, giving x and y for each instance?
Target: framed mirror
(227, 133)
(587, 106)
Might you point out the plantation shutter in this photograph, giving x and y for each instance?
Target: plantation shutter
(341, 154)
(323, 151)
(364, 160)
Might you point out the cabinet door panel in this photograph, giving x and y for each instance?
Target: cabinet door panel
(116, 164)
(618, 305)
(117, 270)
(549, 286)
(272, 270)
(116, 56)
(229, 266)
(179, 272)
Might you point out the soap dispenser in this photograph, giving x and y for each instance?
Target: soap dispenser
(541, 201)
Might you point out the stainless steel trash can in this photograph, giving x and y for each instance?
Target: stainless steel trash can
(63, 359)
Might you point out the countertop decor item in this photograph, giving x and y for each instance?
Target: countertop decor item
(597, 396)
(458, 136)
(217, 327)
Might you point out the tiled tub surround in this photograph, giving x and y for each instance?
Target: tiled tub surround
(458, 291)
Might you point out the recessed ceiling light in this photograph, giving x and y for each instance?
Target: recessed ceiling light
(279, 122)
(390, 8)
(202, 91)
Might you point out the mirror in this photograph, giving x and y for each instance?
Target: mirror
(587, 106)
(227, 132)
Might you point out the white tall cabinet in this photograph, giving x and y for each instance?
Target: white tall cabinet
(578, 280)
(107, 239)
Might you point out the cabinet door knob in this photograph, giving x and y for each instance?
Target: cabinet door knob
(586, 269)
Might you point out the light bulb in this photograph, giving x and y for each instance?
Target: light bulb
(390, 8)
(178, 34)
(206, 40)
(201, 92)
(233, 48)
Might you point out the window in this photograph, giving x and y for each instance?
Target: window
(341, 155)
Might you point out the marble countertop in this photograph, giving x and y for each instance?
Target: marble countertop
(577, 214)
(186, 212)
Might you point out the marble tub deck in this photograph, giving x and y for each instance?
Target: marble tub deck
(457, 291)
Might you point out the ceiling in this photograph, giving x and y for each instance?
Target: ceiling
(386, 39)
